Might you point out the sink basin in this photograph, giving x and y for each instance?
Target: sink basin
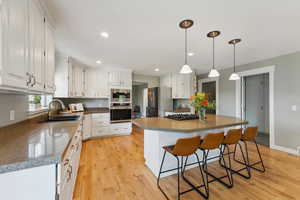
(63, 118)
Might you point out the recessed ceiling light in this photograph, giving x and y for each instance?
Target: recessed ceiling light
(99, 62)
(191, 54)
(157, 70)
(105, 34)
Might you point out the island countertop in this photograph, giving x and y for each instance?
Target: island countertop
(165, 124)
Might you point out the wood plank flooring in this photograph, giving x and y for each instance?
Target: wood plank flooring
(113, 169)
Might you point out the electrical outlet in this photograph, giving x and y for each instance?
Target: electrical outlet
(294, 108)
(12, 115)
(298, 149)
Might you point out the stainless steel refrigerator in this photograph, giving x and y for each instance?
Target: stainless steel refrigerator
(152, 105)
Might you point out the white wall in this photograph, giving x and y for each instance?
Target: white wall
(18, 103)
(286, 94)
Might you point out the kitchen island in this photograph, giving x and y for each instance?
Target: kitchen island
(159, 132)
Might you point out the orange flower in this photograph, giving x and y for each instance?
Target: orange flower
(204, 103)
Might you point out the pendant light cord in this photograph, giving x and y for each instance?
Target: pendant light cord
(213, 52)
(234, 58)
(185, 55)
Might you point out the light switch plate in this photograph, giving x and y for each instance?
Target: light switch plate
(12, 115)
(294, 108)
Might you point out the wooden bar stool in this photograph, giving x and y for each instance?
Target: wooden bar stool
(233, 137)
(184, 147)
(249, 135)
(210, 142)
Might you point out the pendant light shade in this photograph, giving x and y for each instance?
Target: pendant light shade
(185, 24)
(213, 72)
(234, 76)
(186, 69)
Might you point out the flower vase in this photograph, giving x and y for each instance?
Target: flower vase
(202, 114)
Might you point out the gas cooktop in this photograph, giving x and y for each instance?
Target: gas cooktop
(181, 117)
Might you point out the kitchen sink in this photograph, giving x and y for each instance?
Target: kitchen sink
(63, 118)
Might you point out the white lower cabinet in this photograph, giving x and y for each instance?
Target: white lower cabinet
(98, 125)
(121, 128)
(48, 182)
(69, 167)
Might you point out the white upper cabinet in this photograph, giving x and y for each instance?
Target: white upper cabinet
(120, 79)
(49, 58)
(36, 47)
(96, 83)
(78, 81)
(73, 79)
(182, 86)
(14, 23)
(23, 44)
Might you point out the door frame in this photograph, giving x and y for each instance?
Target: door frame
(240, 104)
(207, 80)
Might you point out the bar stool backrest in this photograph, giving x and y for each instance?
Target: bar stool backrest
(250, 133)
(186, 146)
(212, 141)
(233, 136)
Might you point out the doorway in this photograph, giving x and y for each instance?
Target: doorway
(240, 97)
(138, 99)
(256, 105)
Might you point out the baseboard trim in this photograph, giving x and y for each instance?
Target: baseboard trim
(285, 149)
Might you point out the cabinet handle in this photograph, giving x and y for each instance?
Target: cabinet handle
(66, 162)
(70, 171)
(29, 79)
(34, 81)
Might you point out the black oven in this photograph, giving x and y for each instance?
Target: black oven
(120, 114)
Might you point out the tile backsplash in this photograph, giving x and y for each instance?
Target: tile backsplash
(181, 103)
(88, 103)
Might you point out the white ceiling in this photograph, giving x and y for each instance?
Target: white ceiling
(144, 34)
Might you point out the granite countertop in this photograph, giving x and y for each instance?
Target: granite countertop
(33, 143)
(96, 110)
(186, 126)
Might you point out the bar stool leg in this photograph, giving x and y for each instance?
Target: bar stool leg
(251, 165)
(205, 195)
(261, 161)
(219, 179)
(158, 178)
(244, 163)
(178, 177)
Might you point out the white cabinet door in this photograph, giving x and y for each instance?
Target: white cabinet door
(126, 79)
(50, 59)
(115, 79)
(37, 42)
(78, 79)
(101, 83)
(13, 68)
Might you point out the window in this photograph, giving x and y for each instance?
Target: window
(38, 103)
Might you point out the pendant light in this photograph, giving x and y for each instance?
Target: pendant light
(213, 72)
(234, 76)
(185, 24)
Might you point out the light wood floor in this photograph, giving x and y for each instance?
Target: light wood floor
(113, 169)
